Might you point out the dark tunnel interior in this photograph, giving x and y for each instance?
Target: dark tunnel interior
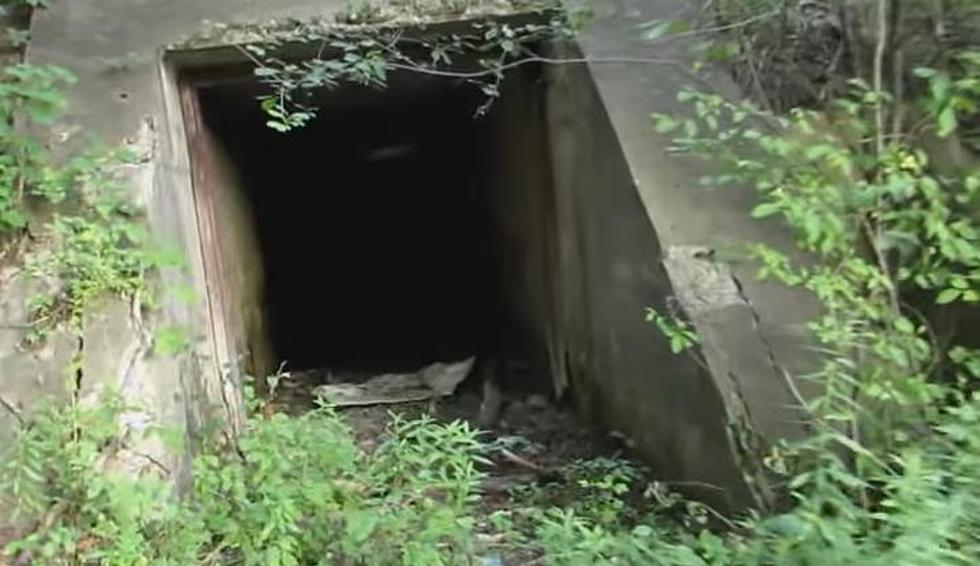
(371, 223)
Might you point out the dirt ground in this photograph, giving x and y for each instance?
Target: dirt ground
(538, 437)
(547, 433)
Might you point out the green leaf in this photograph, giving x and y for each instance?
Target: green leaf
(278, 126)
(360, 525)
(948, 296)
(170, 340)
(766, 209)
(663, 124)
(946, 121)
(904, 325)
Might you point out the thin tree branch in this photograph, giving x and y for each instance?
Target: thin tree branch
(878, 79)
(537, 59)
(871, 234)
(13, 410)
(724, 27)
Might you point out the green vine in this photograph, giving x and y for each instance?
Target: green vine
(368, 52)
(94, 242)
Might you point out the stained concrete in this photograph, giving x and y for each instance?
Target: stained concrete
(753, 333)
(125, 95)
(520, 203)
(27, 374)
(621, 205)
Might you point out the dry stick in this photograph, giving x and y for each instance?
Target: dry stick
(898, 62)
(523, 462)
(12, 409)
(873, 238)
(538, 59)
(937, 346)
(878, 72)
(873, 233)
(723, 27)
(153, 460)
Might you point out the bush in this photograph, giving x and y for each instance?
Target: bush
(297, 490)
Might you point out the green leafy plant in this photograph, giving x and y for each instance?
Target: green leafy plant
(95, 243)
(297, 490)
(363, 52)
(55, 482)
(33, 93)
(880, 478)
(679, 332)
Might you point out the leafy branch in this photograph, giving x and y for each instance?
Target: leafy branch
(366, 55)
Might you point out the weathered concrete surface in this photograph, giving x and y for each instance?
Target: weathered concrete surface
(622, 205)
(114, 47)
(27, 375)
(521, 209)
(753, 333)
(619, 366)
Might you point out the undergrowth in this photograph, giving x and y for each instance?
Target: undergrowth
(295, 490)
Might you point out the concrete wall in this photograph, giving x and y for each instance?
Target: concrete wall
(127, 95)
(619, 366)
(753, 333)
(630, 223)
(523, 226)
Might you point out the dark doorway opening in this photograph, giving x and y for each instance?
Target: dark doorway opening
(370, 226)
(384, 233)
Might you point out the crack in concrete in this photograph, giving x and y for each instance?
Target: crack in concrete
(767, 345)
(79, 372)
(705, 285)
(142, 345)
(748, 445)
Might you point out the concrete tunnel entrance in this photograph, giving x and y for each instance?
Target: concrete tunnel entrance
(393, 231)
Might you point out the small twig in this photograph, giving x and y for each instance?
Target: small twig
(716, 29)
(933, 337)
(538, 59)
(213, 555)
(251, 57)
(878, 72)
(151, 459)
(898, 62)
(521, 461)
(795, 391)
(870, 234)
(13, 410)
(717, 515)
